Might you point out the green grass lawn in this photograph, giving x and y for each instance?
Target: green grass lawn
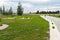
(25, 29)
(55, 15)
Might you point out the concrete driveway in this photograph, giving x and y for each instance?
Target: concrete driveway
(55, 20)
(54, 32)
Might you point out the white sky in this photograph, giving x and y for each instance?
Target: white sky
(32, 5)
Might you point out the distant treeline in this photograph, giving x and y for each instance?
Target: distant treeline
(47, 12)
(10, 11)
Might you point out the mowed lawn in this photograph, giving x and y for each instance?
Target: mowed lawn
(55, 15)
(25, 29)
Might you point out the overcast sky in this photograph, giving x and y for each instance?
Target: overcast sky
(32, 5)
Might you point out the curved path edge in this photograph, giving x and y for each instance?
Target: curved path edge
(54, 33)
(4, 26)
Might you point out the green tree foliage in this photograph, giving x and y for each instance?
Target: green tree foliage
(57, 11)
(37, 12)
(0, 10)
(30, 13)
(0, 13)
(19, 9)
(10, 11)
(49, 12)
(3, 10)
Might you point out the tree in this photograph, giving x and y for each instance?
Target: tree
(19, 9)
(3, 10)
(10, 11)
(37, 12)
(30, 12)
(57, 12)
(0, 10)
(0, 16)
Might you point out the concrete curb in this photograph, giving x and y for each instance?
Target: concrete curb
(4, 26)
(54, 33)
